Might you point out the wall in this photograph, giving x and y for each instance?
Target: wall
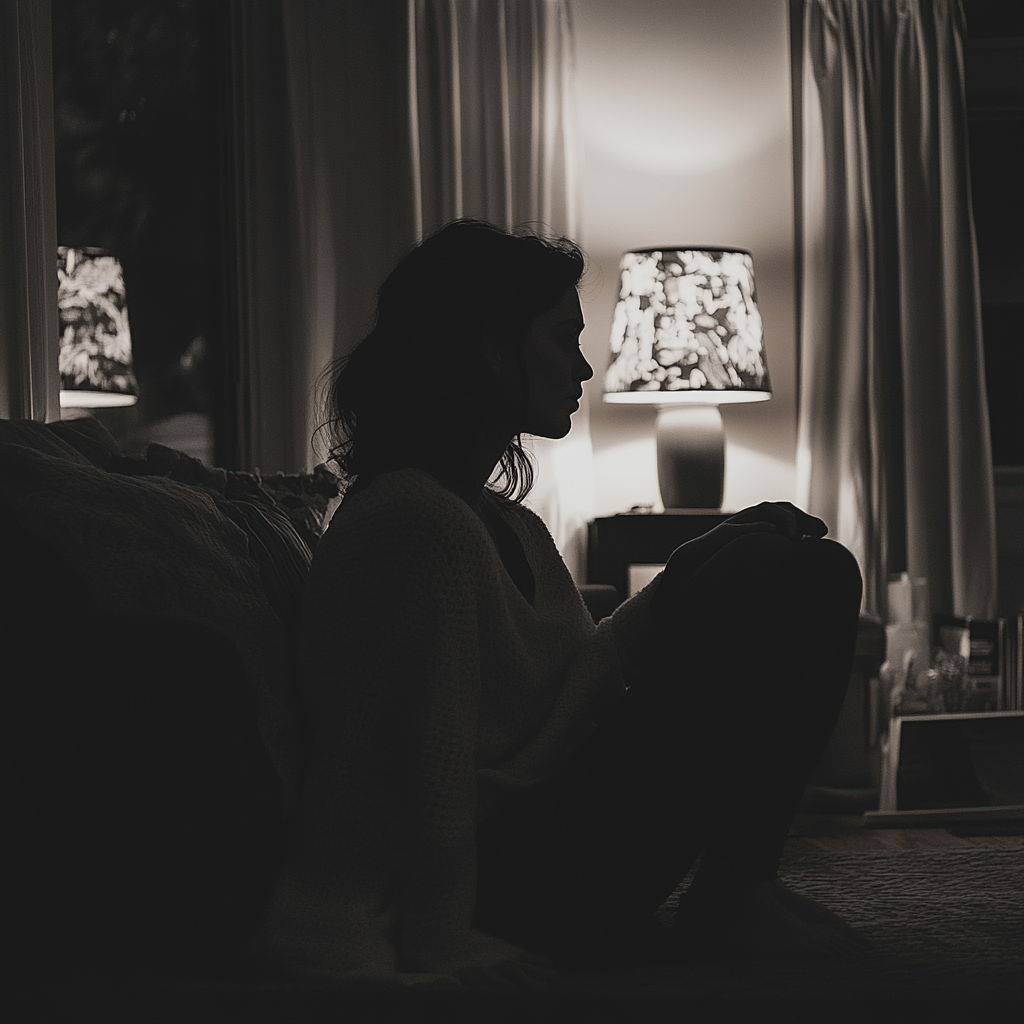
(686, 129)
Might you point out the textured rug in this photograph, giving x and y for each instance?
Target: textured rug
(948, 925)
(948, 928)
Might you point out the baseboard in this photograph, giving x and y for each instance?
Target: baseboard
(945, 816)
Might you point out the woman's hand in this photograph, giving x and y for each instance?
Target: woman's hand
(779, 517)
(783, 516)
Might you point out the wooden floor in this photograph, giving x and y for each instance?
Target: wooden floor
(845, 833)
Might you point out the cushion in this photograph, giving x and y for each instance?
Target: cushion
(304, 498)
(147, 545)
(280, 553)
(39, 437)
(281, 535)
(88, 437)
(79, 439)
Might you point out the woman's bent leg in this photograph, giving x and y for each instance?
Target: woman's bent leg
(759, 695)
(735, 904)
(709, 750)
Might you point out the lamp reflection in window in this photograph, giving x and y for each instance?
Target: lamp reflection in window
(95, 339)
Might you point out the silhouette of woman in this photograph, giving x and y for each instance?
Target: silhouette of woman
(496, 785)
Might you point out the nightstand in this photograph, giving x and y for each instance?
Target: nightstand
(614, 543)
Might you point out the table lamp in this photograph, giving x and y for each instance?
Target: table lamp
(95, 342)
(686, 337)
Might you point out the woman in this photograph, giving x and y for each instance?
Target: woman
(493, 780)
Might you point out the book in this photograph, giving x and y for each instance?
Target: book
(982, 644)
(1013, 664)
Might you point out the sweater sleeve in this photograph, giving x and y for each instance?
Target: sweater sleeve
(389, 819)
(626, 634)
(436, 679)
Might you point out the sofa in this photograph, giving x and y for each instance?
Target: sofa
(153, 737)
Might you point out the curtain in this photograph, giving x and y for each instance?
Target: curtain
(263, 425)
(491, 125)
(893, 443)
(29, 380)
(407, 114)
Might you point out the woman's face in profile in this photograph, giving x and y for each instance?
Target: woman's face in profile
(555, 368)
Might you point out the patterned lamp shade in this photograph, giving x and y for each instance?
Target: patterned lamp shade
(95, 342)
(687, 338)
(687, 329)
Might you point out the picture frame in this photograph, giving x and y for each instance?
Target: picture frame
(939, 770)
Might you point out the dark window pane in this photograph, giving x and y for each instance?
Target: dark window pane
(136, 146)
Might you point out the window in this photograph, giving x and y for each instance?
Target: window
(137, 145)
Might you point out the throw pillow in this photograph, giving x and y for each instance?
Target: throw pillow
(282, 553)
(304, 498)
(88, 437)
(39, 437)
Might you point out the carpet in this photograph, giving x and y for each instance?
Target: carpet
(948, 928)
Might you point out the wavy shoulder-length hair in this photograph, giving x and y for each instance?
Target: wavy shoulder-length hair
(455, 308)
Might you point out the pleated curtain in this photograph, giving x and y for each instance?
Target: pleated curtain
(491, 120)
(29, 335)
(893, 442)
(407, 114)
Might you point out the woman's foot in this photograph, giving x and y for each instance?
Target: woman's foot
(734, 915)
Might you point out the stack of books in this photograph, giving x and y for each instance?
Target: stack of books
(993, 651)
(1013, 662)
(964, 767)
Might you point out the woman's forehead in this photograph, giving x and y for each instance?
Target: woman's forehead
(567, 308)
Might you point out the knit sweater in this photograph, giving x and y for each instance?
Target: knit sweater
(431, 685)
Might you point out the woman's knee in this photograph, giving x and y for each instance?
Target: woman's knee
(823, 555)
(834, 567)
(769, 562)
(764, 555)
(757, 576)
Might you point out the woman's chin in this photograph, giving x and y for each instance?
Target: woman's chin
(551, 430)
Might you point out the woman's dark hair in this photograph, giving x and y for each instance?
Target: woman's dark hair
(455, 307)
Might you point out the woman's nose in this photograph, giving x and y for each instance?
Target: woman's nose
(583, 369)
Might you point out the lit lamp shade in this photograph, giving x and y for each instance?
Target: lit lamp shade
(686, 337)
(95, 342)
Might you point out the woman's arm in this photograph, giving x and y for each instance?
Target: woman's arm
(396, 716)
(768, 517)
(439, 678)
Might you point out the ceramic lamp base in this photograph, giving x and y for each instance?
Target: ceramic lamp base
(691, 456)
